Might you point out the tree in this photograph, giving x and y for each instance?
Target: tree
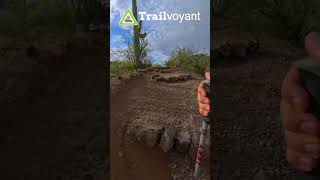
(90, 10)
(128, 53)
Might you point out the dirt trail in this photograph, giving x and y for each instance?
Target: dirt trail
(145, 101)
(62, 128)
(249, 142)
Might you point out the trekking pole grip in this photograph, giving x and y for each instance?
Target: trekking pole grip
(206, 84)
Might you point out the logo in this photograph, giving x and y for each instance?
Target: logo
(128, 19)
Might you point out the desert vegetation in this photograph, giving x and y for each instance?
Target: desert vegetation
(289, 19)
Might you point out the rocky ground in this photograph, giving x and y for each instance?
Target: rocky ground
(147, 101)
(53, 113)
(247, 136)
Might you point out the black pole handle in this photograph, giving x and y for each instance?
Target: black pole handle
(206, 84)
(311, 84)
(310, 76)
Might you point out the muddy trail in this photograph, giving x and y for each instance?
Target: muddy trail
(59, 133)
(143, 101)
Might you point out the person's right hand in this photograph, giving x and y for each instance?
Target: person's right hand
(302, 129)
(203, 100)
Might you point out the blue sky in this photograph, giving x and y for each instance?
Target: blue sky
(164, 36)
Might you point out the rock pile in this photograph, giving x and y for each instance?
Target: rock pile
(149, 135)
(167, 138)
(239, 49)
(161, 71)
(182, 141)
(155, 76)
(172, 79)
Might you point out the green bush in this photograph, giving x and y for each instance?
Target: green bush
(21, 16)
(180, 57)
(188, 59)
(157, 66)
(201, 63)
(291, 19)
(55, 14)
(9, 24)
(121, 67)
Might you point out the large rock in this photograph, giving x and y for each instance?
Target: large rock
(154, 76)
(182, 141)
(173, 78)
(167, 139)
(149, 135)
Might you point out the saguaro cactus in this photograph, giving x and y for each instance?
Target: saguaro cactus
(136, 42)
(137, 35)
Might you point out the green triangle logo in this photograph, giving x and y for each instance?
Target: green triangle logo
(128, 19)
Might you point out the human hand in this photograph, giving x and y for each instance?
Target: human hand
(302, 129)
(203, 100)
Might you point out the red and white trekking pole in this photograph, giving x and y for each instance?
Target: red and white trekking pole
(204, 128)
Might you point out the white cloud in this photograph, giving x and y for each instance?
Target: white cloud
(158, 57)
(117, 7)
(166, 35)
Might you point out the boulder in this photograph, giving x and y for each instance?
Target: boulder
(163, 71)
(159, 78)
(184, 77)
(167, 139)
(173, 79)
(182, 141)
(149, 135)
(154, 76)
(142, 70)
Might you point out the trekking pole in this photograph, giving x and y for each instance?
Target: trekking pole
(204, 128)
(310, 75)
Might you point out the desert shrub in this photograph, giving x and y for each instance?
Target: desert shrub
(121, 67)
(14, 17)
(157, 66)
(129, 55)
(189, 59)
(291, 19)
(180, 57)
(21, 16)
(87, 11)
(201, 63)
(9, 24)
(54, 15)
(18, 16)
